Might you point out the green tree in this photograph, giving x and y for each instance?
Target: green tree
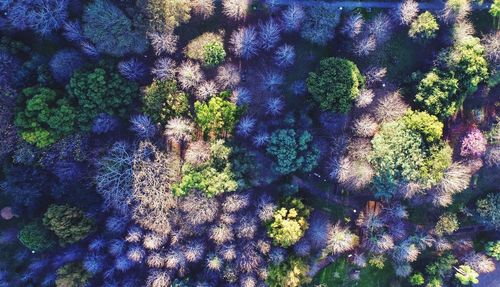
(335, 85)
(493, 249)
(488, 209)
(466, 275)
(289, 222)
(292, 151)
(69, 223)
(218, 117)
(424, 27)
(44, 117)
(36, 237)
(437, 94)
(163, 100)
(447, 224)
(291, 273)
(207, 48)
(101, 90)
(495, 12)
(417, 279)
(72, 275)
(166, 15)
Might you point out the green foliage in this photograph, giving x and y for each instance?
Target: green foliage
(290, 273)
(36, 237)
(488, 209)
(163, 100)
(335, 85)
(292, 151)
(212, 178)
(424, 27)
(493, 249)
(111, 31)
(371, 276)
(437, 94)
(101, 90)
(417, 279)
(166, 15)
(289, 222)
(466, 275)
(495, 12)
(207, 48)
(218, 117)
(69, 223)
(72, 275)
(442, 267)
(410, 150)
(447, 224)
(335, 274)
(377, 261)
(247, 169)
(44, 117)
(468, 62)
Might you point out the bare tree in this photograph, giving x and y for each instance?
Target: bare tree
(244, 42)
(236, 9)
(179, 129)
(274, 106)
(228, 76)
(365, 98)
(374, 75)
(143, 126)
(245, 126)
(164, 69)
(269, 34)
(164, 42)
(197, 153)
(390, 107)
(206, 90)
(292, 17)
(204, 8)
(340, 240)
(455, 10)
(365, 126)
(365, 45)
(380, 27)
(189, 74)
(284, 56)
(352, 26)
(406, 12)
(491, 43)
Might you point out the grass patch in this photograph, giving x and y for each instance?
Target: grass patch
(334, 275)
(374, 277)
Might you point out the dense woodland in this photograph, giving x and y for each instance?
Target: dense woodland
(248, 143)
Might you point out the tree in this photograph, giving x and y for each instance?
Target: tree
(335, 85)
(424, 27)
(466, 275)
(456, 10)
(269, 34)
(489, 211)
(292, 151)
(204, 8)
(189, 74)
(218, 117)
(417, 279)
(45, 117)
(36, 237)
(164, 16)
(493, 249)
(207, 48)
(291, 273)
(244, 42)
(64, 63)
(236, 9)
(473, 144)
(163, 101)
(352, 26)
(319, 24)
(72, 275)
(111, 31)
(340, 240)
(100, 90)
(406, 12)
(289, 222)
(69, 223)
(495, 12)
(436, 94)
(292, 17)
(447, 224)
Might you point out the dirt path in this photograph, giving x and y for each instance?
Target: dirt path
(434, 5)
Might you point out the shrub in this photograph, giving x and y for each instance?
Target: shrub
(207, 48)
(291, 273)
(163, 100)
(72, 275)
(164, 16)
(319, 24)
(292, 17)
(64, 63)
(424, 27)
(44, 117)
(244, 43)
(289, 222)
(446, 224)
(436, 94)
(406, 12)
(335, 85)
(489, 211)
(236, 9)
(100, 90)
(109, 29)
(36, 237)
(292, 151)
(473, 144)
(69, 223)
(466, 275)
(218, 117)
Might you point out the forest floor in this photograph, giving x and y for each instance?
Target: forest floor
(432, 5)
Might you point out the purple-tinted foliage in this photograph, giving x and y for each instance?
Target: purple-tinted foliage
(68, 171)
(94, 263)
(9, 68)
(245, 126)
(104, 123)
(164, 69)
(89, 49)
(473, 144)
(49, 279)
(302, 247)
(25, 185)
(143, 126)
(122, 263)
(133, 69)
(116, 224)
(64, 63)
(98, 244)
(72, 254)
(116, 247)
(73, 31)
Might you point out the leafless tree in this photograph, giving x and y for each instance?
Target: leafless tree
(164, 69)
(244, 42)
(143, 126)
(292, 17)
(197, 153)
(354, 174)
(480, 262)
(189, 74)
(236, 9)
(380, 27)
(271, 80)
(456, 178)
(340, 240)
(390, 107)
(491, 43)
(455, 10)
(241, 96)
(206, 90)
(462, 30)
(269, 34)
(245, 126)
(406, 12)
(228, 76)
(179, 129)
(204, 8)
(363, 46)
(374, 75)
(284, 56)
(158, 278)
(164, 42)
(365, 126)
(365, 98)
(274, 106)
(153, 241)
(352, 26)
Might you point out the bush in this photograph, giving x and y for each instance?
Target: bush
(424, 27)
(410, 150)
(207, 48)
(447, 224)
(72, 275)
(291, 273)
(292, 151)
(489, 211)
(36, 237)
(44, 117)
(64, 63)
(111, 31)
(69, 223)
(101, 90)
(163, 100)
(319, 24)
(436, 94)
(335, 85)
(289, 222)
(218, 117)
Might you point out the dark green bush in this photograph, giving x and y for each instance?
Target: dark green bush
(36, 237)
(163, 101)
(69, 223)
